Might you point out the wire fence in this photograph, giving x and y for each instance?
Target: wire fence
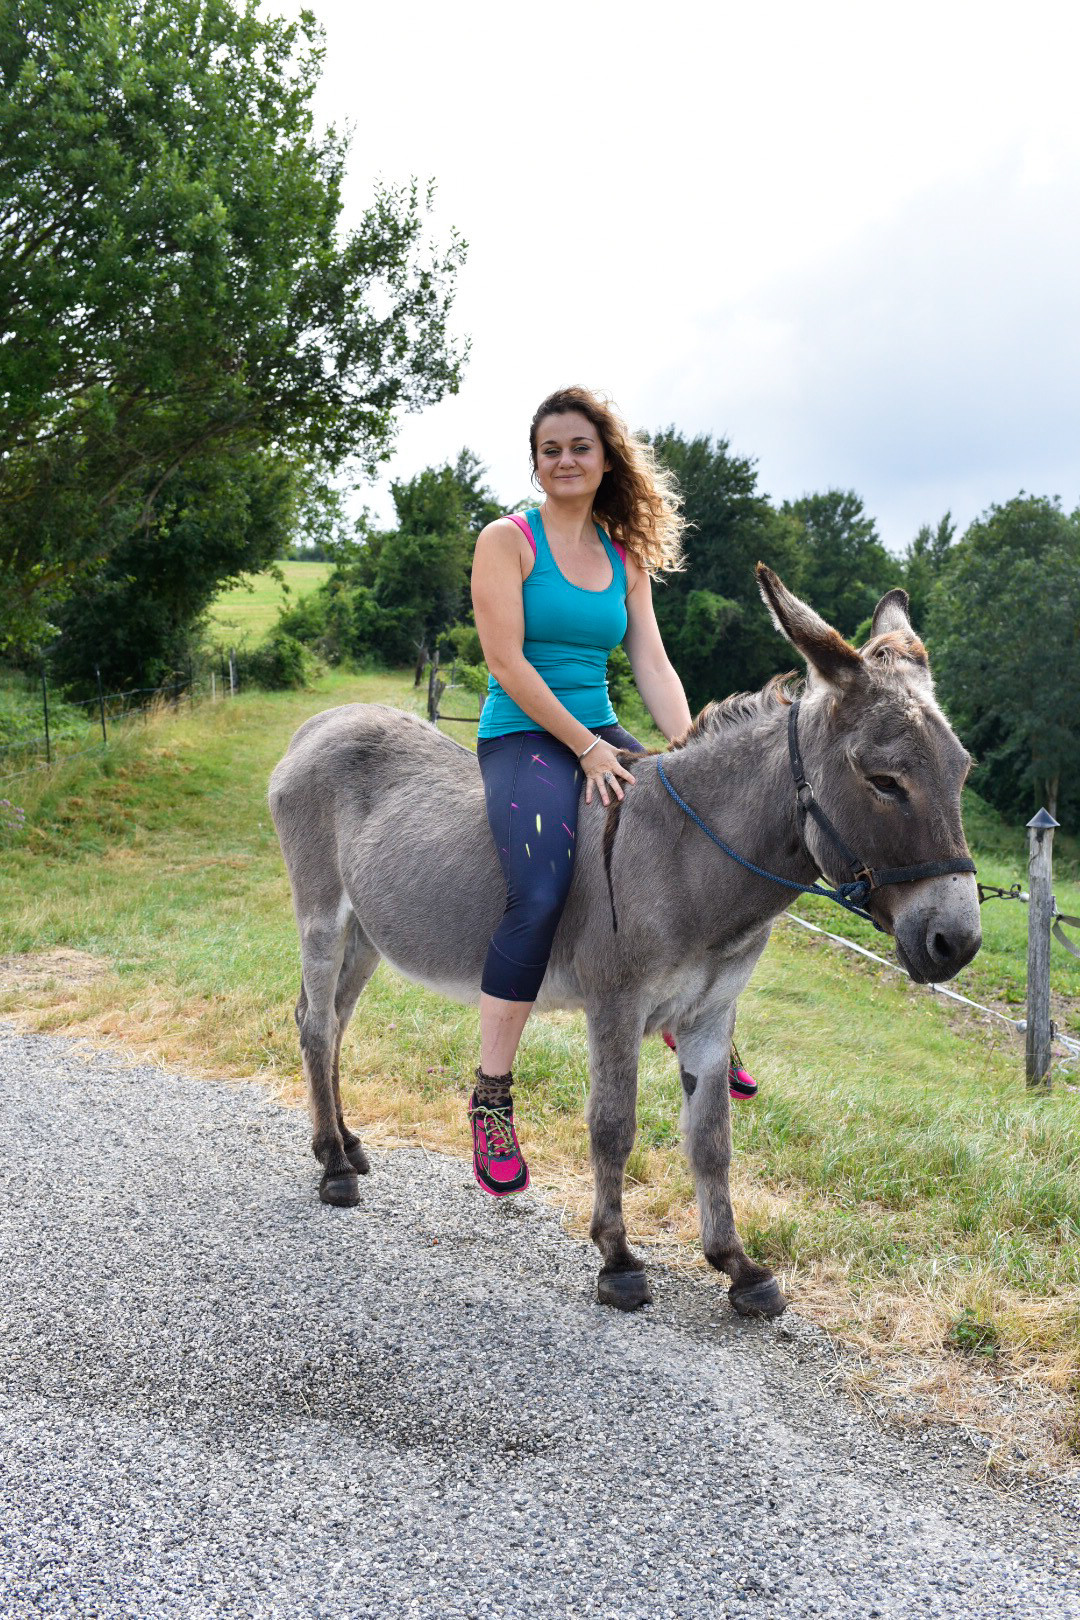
(71, 727)
(1069, 1045)
(464, 694)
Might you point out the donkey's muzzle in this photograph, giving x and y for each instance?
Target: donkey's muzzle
(933, 945)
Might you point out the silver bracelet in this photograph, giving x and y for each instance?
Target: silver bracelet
(590, 748)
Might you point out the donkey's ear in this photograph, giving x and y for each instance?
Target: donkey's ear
(892, 614)
(824, 648)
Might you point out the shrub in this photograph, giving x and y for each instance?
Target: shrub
(464, 644)
(620, 678)
(278, 663)
(473, 677)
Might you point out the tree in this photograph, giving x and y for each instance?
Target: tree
(478, 503)
(174, 277)
(134, 619)
(846, 568)
(422, 573)
(1004, 632)
(395, 593)
(922, 564)
(715, 628)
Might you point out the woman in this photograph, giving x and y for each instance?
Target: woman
(553, 593)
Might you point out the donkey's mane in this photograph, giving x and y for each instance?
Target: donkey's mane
(735, 710)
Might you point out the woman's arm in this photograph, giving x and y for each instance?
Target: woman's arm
(500, 563)
(660, 687)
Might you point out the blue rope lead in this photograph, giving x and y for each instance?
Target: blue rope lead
(847, 895)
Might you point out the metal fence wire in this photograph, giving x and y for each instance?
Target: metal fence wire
(25, 755)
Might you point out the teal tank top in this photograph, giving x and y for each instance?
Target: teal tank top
(569, 633)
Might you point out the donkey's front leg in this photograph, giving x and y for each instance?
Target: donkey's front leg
(615, 1034)
(704, 1054)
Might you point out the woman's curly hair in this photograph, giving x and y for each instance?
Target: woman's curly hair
(638, 500)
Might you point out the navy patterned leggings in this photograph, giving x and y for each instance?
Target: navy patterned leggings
(532, 785)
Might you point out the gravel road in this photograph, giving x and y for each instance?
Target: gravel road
(220, 1398)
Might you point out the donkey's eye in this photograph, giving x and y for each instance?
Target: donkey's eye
(888, 785)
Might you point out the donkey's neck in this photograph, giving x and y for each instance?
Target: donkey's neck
(737, 776)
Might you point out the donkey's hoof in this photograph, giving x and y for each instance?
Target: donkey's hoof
(342, 1191)
(358, 1159)
(625, 1290)
(761, 1298)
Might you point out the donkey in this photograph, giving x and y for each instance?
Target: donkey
(382, 825)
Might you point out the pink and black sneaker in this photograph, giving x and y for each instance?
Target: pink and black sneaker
(741, 1083)
(497, 1160)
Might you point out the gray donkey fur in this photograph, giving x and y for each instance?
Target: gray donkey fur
(383, 828)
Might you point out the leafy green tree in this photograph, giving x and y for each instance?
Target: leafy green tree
(136, 617)
(478, 503)
(846, 569)
(394, 594)
(922, 564)
(422, 571)
(716, 630)
(175, 282)
(1004, 632)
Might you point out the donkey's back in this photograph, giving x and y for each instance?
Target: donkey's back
(362, 750)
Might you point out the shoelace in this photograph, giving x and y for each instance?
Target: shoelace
(498, 1127)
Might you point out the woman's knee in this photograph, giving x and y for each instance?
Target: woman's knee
(541, 907)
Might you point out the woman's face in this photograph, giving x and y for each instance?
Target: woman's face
(570, 457)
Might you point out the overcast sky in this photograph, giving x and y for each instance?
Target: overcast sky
(845, 237)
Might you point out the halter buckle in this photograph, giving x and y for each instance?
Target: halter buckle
(804, 792)
(865, 875)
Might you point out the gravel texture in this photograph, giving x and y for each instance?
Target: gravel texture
(220, 1398)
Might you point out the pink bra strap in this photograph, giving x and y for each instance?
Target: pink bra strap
(523, 524)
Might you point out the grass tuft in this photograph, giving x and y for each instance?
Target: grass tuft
(974, 1334)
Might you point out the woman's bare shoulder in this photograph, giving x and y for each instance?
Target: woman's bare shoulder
(501, 530)
(500, 545)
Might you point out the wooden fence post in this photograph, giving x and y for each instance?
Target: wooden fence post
(232, 672)
(435, 688)
(101, 708)
(1040, 916)
(45, 707)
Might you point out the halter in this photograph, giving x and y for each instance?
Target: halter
(852, 896)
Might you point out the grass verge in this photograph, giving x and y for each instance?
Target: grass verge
(913, 1196)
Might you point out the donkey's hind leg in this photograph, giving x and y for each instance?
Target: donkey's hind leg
(359, 963)
(323, 944)
(704, 1053)
(615, 1032)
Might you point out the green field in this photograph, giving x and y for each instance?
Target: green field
(916, 1199)
(248, 611)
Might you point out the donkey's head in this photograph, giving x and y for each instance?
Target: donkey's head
(887, 769)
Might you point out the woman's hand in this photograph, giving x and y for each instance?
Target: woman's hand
(604, 771)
